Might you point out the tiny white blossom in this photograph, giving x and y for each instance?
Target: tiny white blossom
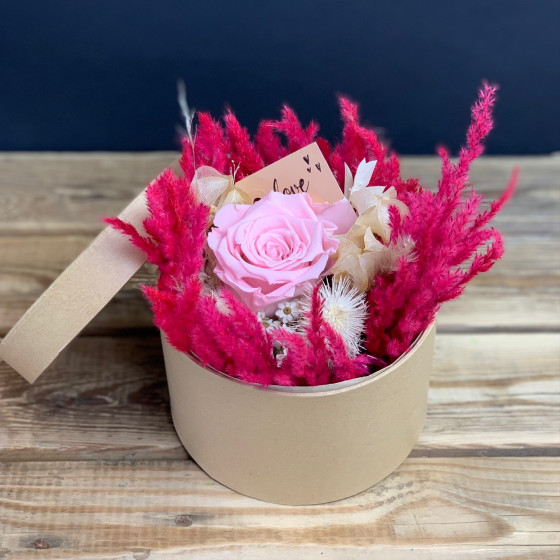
(288, 311)
(267, 322)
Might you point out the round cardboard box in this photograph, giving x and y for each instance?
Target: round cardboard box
(304, 445)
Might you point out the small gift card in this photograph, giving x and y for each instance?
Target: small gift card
(303, 171)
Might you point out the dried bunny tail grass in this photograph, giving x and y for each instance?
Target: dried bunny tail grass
(448, 230)
(359, 142)
(243, 152)
(212, 144)
(296, 135)
(343, 308)
(268, 143)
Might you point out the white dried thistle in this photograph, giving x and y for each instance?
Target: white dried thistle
(344, 309)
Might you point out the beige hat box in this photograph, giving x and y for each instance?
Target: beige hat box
(287, 445)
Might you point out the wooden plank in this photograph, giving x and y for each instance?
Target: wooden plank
(538, 174)
(103, 398)
(478, 507)
(521, 291)
(493, 394)
(83, 187)
(71, 192)
(31, 263)
(534, 209)
(107, 397)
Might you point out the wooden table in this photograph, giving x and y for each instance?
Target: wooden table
(91, 465)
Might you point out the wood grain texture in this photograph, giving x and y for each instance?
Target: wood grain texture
(168, 509)
(521, 291)
(31, 263)
(107, 397)
(91, 467)
(61, 192)
(71, 192)
(534, 209)
(51, 207)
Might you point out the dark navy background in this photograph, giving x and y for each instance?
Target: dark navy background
(101, 75)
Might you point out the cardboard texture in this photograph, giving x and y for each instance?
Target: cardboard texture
(300, 448)
(74, 298)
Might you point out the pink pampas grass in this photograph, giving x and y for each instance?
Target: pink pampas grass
(448, 229)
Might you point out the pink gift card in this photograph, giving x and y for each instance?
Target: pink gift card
(303, 171)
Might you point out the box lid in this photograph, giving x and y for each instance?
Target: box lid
(75, 297)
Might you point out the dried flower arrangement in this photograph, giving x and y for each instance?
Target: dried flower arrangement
(288, 291)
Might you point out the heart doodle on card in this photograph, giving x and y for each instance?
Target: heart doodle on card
(288, 171)
(318, 166)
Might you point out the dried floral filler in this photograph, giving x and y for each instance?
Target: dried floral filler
(287, 291)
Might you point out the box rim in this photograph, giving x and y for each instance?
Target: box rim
(316, 390)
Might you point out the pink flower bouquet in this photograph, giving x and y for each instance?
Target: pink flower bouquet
(286, 289)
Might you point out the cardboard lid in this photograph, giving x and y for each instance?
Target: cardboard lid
(75, 297)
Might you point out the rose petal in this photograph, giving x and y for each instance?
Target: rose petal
(276, 248)
(339, 216)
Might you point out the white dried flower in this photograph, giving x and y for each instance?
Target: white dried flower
(360, 180)
(267, 322)
(288, 311)
(345, 310)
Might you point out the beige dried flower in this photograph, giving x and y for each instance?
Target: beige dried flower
(365, 250)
